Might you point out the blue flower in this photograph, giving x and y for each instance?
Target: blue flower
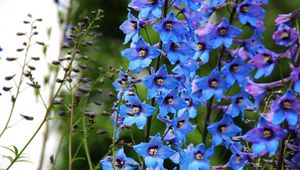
(286, 107)
(170, 102)
(212, 85)
(236, 70)
(192, 103)
(123, 82)
(239, 103)
(136, 112)
(140, 55)
(170, 28)
(265, 137)
(224, 33)
(196, 158)
(238, 158)
(159, 82)
(249, 12)
(122, 162)
(202, 48)
(223, 130)
(148, 8)
(216, 2)
(178, 51)
(154, 152)
(188, 69)
(295, 75)
(131, 28)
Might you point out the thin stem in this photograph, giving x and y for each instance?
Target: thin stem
(85, 143)
(207, 120)
(114, 142)
(71, 130)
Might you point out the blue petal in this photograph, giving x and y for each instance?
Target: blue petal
(272, 146)
(291, 117)
(151, 162)
(278, 117)
(140, 121)
(257, 148)
(128, 121)
(142, 149)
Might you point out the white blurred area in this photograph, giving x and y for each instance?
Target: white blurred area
(12, 15)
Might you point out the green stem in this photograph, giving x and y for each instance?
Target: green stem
(85, 143)
(207, 120)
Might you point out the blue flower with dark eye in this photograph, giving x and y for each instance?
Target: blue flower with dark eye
(140, 55)
(224, 33)
(249, 12)
(238, 158)
(159, 82)
(239, 103)
(286, 107)
(265, 137)
(170, 102)
(192, 103)
(170, 28)
(188, 69)
(154, 152)
(123, 82)
(136, 112)
(178, 51)
(264, 62)
(148, 9)
(223, 130)
(285, 35)
(196, 158)
(212, 85)
(202, 48)
(236, 70)
(122, 162)
(131, 28)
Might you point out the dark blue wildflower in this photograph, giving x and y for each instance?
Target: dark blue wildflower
(239, 103)
(170, 28)
(196, 158)
(122, 162)
(178, 51)
(192, 103)
(154, 152)
(202, 48)
(136, 112)
(131, 28)
(123, 82)
(286, 107)
(188, 69)
(223, 130)
(159, 82)
(249, 12)
(224, 33)
(148, 9)
(296, 159)
(265, 137)
(295, 75)
(212, 85)
(239, 158)
(170, 102)
(285, 35)
(236, 70)
(140, 55)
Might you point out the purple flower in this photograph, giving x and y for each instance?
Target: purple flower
(131, 28)
(249, 12)
(285, 35)
(148, 8)
(170, 28)
(286, 107)
(265, 137)
(283, 18)
(154, 152)
(256, 91)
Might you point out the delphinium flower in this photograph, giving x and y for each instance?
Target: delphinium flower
(283, 18)
(202, 48)
(195, 157)
(124, 81)
(257, 91)
(170, 102)
(264, 62)
(131, 28)
(148, 9)
(239, 103)
(223, 34)
(236, 71)
(140, 55)
(170, 28)
(295, 75)
(286, 107)
(178, 51)
(192, 103)
(122, 162)
(249, 12)
(212, 85)
(136, 112)
(159, 82)
(239, 158)
(285, 35)
(265, 137)
(154, 152)
(223, 130)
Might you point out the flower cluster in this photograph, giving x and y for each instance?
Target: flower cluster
(178, 90)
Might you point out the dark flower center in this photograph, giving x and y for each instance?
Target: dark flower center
(170, 130)
(188, 102)
(174, 46)
(267, 58)
(222, 128)
(134, 25)
(223, 31)
(199, 156)
(234, 68)
(153, 151)
(267, 133)
(168, 25)
(286, 104)
(239, 100)
(201, 46)
(119, 163)
(151, 1)
(169, 100)
(142, 52)
(244, 8)
(238, 158)
(159, 81)
(284, 35)
(214, 83)
(180, 124)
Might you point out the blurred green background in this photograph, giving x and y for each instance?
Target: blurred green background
(105, 60)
